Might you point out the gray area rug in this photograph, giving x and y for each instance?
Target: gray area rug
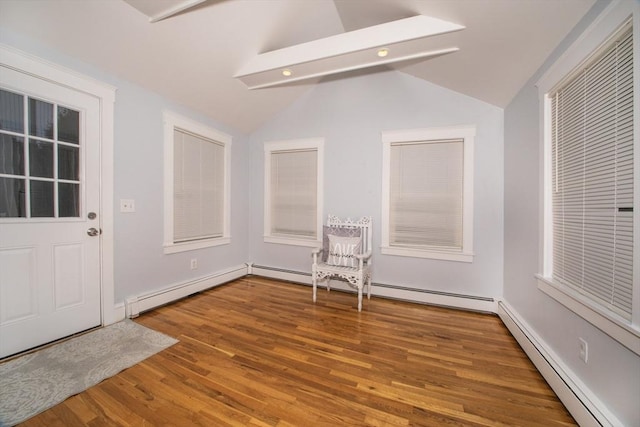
(36, 382)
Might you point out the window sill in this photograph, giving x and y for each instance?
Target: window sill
(425, 253)
(616, 327)
(172, 248)
(311, 243)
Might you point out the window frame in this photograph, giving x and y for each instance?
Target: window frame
(606, 26)
(467, 134)
(173, 121)
(270, 147)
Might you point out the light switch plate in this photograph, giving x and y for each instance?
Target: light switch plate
(127, 205)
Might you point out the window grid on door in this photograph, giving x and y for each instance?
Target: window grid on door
(40, 152)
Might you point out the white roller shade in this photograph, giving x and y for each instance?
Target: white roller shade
(426, 194)
(198, 187)
(294, 193)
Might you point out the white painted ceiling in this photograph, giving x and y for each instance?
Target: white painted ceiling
(191, 57)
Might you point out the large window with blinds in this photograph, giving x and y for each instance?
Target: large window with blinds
(428, 193)
(591, 180)
(293, 191)
(196, 185)
(592, 177)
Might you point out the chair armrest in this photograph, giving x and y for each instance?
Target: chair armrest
(315, 253)
(362, 258)
(365, 256)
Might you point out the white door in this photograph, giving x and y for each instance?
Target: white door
(49, 212)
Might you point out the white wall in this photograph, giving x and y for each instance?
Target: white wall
(140, 264)
(612, 374)
(350, 113)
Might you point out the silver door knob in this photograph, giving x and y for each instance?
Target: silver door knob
(93, 232)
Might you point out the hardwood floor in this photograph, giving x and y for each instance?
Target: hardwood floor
(259, 352)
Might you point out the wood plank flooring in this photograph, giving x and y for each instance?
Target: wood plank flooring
(258, 352)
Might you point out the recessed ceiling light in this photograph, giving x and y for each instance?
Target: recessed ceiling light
(383, 52)
(286, 72)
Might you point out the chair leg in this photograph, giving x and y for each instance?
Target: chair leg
(314, 281)
(359, 298)
(369, 287)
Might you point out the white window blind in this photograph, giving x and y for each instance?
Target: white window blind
(293, 181)
(592, 177)
(198, 187)
(426, 194)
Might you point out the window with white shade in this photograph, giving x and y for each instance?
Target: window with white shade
(591, 179)
(196, 185)
(293, 191)
(427, 193)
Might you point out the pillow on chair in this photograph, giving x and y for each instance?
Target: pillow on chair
(342, 251)
(335, 231)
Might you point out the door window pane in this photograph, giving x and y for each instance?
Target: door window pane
(11, 111)
(68, 200)
(68, 165)
(40, 118)
(41, 159)
(11, 155)
(68, 125)
(41, 199)
(12, 200)
(32, 167)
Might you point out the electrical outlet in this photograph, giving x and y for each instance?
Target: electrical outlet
(584, 350)
(127, 205)
(194, 263)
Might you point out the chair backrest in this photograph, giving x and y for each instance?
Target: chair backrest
(364, 224)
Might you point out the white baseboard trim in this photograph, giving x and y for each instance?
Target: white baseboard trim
(281, 274)
(135, 305)
(451, 300)
(119, 313)
(138, 304)
(583, 404)
(465, 302)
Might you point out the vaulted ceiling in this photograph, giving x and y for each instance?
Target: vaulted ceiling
(192, 56)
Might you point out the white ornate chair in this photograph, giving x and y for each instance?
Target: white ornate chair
(345, 253)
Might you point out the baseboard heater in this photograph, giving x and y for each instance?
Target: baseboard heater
(402, 293)
(583, 405)
(139, 304)
(136, 305)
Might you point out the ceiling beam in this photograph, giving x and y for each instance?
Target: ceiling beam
(174, 10)
(386, 43)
